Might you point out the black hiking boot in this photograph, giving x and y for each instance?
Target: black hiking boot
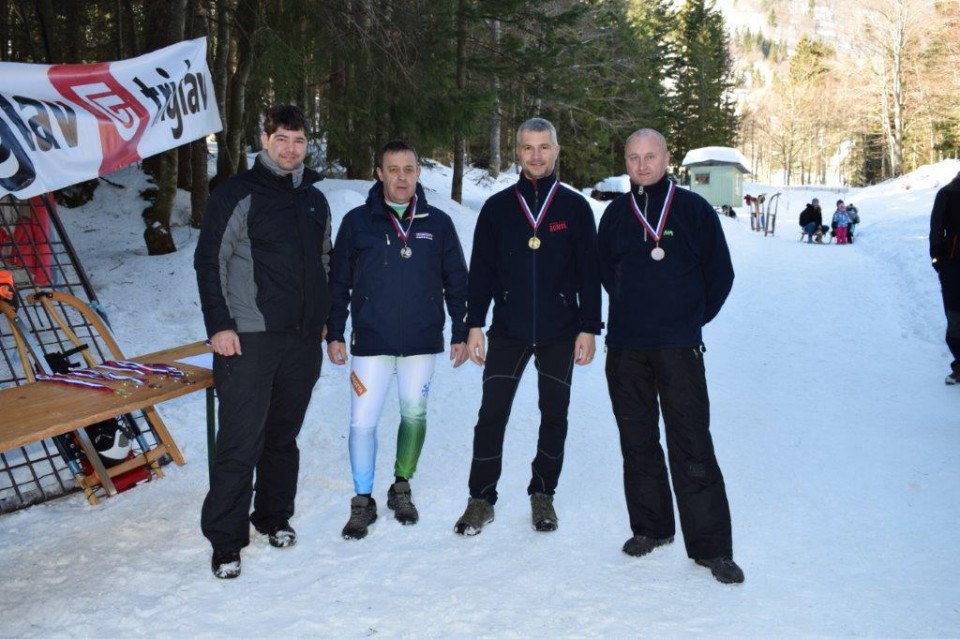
(280, 535)
(478, 514)
(225, 564)
(400, 501)
(542, 512)
(952, 378)
(639, 545)
(363, 512)
(724, 569)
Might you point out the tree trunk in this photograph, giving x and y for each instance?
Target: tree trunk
(157, 235)
(220, 74)
(200, 188)
(495, 121)
(248, 16)
(169, 19)
(459, 139)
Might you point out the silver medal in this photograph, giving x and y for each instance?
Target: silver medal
(658, 253)
(406, 252)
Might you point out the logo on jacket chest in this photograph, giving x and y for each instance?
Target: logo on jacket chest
(424, 235)
(555, 227)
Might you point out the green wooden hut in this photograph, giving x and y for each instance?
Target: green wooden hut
(716, 173)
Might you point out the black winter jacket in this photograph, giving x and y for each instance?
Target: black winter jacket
(811, 214)
(662, 304)
(397, 302)
(263, 254)
(538, 295)
(945, 224)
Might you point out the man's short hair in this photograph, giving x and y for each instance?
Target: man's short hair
(537, 125)
(395, 146)
(647, 132)
(286, 116)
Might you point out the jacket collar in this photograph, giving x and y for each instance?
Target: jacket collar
(658, 188)
(541, 187)
(262, 168)
(378, 205)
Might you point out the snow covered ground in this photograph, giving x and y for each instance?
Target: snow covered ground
(839, 442)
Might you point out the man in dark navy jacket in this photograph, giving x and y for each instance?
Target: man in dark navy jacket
(534, 257)
(665, 264)
(396, 260)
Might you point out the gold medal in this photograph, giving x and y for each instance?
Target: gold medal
(534, 243)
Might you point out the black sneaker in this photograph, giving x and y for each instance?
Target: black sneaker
(541, 510)
(400, 501)
(478, 514)
(724, 569)
(638, 545)
(226, 564)
(952, 378)
(280, 535)
(363, 512)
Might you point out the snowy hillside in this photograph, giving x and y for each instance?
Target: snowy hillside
(838, 440)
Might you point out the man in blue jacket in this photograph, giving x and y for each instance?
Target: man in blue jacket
(262, 260)
(396, 260)
(665, 264)
(534, 257)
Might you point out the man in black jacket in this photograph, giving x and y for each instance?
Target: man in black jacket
(262, 261)
(397, 259)
(534, 257)
(945, 255)
(665, 264)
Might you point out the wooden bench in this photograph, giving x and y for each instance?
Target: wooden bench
(41, 410)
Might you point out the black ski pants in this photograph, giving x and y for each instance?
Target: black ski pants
(640, 382)
(263, 396)
(950, 290)
(506, 360)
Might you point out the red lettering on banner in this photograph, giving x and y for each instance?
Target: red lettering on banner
(558, 226)
(121, 119)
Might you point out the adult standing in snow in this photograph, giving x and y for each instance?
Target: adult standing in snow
(665, 264)
(397, 259)
(262, 261)
(534, 256)
(945, 255)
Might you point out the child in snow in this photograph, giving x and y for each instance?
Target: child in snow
(854, 220)
(841, 220)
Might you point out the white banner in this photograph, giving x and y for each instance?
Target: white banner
(65, 123)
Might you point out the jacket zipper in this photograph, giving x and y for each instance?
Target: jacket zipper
(533, 262)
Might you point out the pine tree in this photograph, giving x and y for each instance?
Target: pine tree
(704, 107)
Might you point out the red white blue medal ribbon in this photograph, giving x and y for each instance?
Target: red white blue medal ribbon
(143, 369)
(89, 373)
(59, 378)
(535, 222)
(657, 233)
(402, 233)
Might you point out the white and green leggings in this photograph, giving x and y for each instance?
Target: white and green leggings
(370, 381)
